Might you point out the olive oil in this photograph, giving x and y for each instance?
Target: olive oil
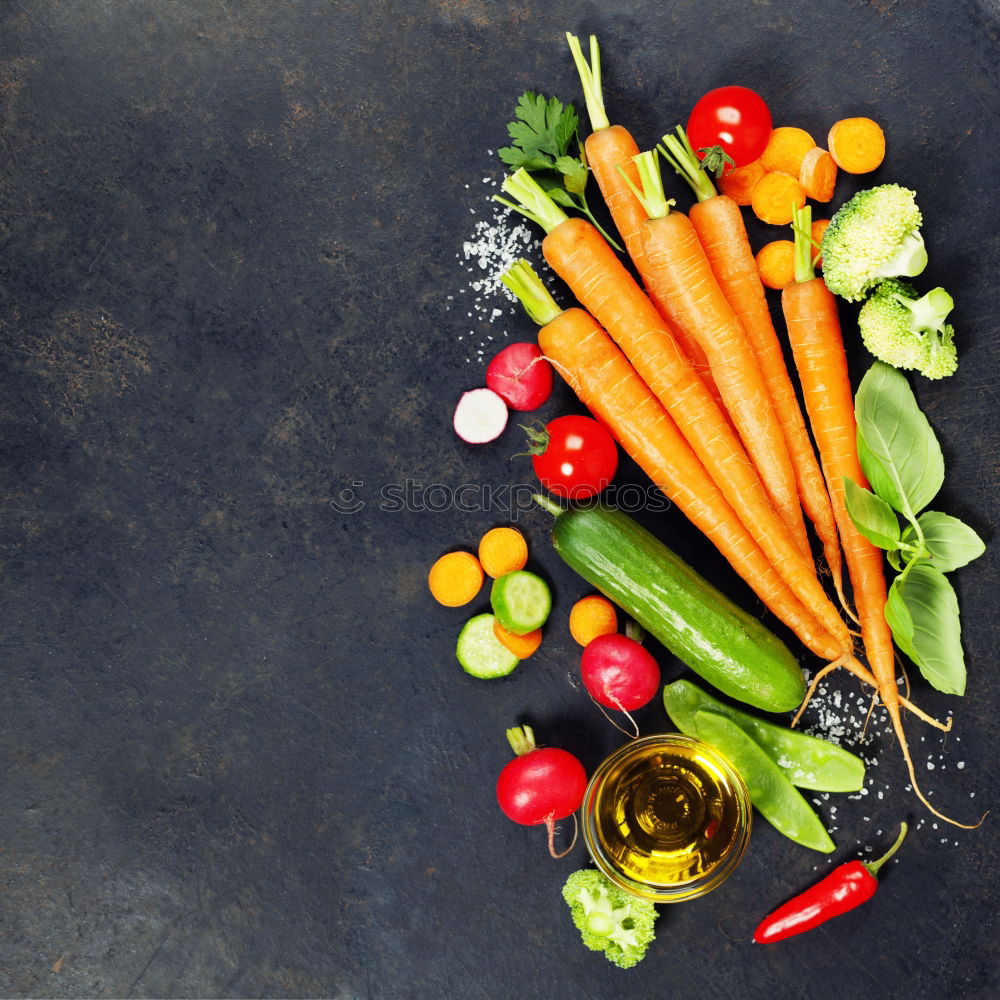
(667, 817)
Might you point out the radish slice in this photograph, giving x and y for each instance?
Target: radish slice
(481, 416)
(521, 375)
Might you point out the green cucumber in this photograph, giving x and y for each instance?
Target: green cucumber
(719, 641)
(480, 652)
(521, 601)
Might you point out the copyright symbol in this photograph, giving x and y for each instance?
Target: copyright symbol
(347, 501)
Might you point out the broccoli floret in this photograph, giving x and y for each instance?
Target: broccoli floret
(608, 918)
(873, 236)
(909, 332)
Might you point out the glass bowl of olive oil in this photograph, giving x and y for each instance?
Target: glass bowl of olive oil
(666, 817)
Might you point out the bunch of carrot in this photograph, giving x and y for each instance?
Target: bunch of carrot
(687, 371)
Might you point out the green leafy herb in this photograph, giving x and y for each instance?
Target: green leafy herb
(873, 517)
(899, 439)
(935, 643)
(950, 543)
(542, 131)
(902, 460)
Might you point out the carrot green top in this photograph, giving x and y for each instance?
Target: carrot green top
(522, 280)
(804, 250)
(678, 152)
(531, 200)
(590, 79)
(651, 195)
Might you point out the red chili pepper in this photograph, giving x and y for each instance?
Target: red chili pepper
(847, 886)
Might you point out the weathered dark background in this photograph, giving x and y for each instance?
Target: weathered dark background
(238, 756)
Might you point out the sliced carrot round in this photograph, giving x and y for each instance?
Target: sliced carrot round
(775, 197)
(776, 263)
(455, 579)
(818, 174)
(738, 184)
(786, 149)
(857, 145)
(502, 551)
(590, 617)
(522, 646)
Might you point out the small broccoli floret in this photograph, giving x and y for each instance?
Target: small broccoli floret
(909, 332)
(609, 919)
(873, 236)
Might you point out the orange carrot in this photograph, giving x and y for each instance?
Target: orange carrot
(455, 579)
(776, 197)
(609, 151)
(776, 263)
(739, 183)
(592, 616)
(818, 174)
(681, 274)
(785, 149)
(578, 253)
(814, 333)
(522, 646)
(857, 145)
(720, 227)
(605, 381)
(502, 551)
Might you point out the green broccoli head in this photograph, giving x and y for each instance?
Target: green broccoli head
(910, 332)
(608, 918)
(873, 236)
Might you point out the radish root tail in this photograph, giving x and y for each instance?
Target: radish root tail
(550, 825)
(632, 734)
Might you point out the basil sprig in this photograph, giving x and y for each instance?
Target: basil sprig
(902, 460)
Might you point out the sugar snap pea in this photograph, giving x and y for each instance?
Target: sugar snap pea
(774, 796)
(807, 761)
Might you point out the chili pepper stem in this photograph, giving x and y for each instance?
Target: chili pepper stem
(873, 866)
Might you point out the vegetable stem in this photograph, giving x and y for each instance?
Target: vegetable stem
(590, 80)
(677, 151)
(531, 200)
(801, 226)
(874, 866)
(521, 740)
(547, 504)
(520, 278)
(651, 196)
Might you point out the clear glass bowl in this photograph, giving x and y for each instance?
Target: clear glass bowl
(666, 817)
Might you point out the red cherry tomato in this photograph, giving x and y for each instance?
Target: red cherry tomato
(578, 459)
(735, 118)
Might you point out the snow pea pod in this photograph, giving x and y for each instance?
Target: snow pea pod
(774, 796)
(808, 762)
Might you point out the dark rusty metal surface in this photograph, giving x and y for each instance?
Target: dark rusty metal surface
(238, 756)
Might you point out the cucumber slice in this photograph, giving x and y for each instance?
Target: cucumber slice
(480, 652)
(521, 601)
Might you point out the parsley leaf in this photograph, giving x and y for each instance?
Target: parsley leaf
(541, 133)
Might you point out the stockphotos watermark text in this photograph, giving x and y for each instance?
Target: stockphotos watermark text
(508, 499)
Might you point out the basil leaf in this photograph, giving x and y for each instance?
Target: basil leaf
(895, 560)
(950, 543)
(937, 645)
(899, 437)
(900, 621)
(875, 473)
(871, 515)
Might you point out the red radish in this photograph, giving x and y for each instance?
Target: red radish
(540, 785)
(618, 672)
(521, 376)
(481, 416)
